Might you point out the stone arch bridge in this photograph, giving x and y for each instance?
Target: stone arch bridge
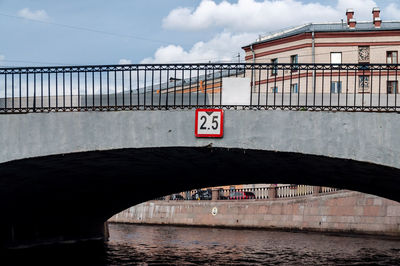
(63, 174)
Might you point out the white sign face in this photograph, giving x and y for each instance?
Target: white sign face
(209, 123)
(214, 211)
(236, 91)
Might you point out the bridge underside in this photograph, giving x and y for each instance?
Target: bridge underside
(69, 197)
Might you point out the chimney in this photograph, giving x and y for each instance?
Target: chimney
(352, 23)
(375, 17)
(349, 14)
(375, 12)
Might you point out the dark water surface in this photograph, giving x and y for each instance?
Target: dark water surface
(137, 244)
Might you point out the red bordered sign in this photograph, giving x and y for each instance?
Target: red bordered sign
(209, 123)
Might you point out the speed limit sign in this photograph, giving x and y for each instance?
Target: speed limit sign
(209, 123)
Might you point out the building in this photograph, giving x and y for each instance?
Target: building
(345, 42)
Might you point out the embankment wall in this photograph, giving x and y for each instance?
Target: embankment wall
(344, 211)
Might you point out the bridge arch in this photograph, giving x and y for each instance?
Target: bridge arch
(64, 174)
(70, 196)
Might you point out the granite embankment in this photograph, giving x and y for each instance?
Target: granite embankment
(343, 211)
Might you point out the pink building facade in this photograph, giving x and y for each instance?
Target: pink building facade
(348, 42)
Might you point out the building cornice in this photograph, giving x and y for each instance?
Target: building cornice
(335, 44)
(307, 35)
(281, 50)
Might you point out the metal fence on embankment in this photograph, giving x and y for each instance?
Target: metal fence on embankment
(259, 193)
(342, 87)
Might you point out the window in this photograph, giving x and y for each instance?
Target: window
(336, 58)
(392, 86)
(274, 70)
(391, 57)
(363, 83)
(274, 89)
(294, 60)
(336, 87)
(294, 88)
(363, 54)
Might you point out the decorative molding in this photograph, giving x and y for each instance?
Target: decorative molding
(363, 54)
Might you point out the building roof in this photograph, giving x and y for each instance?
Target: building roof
(177, 83)
(361, 26)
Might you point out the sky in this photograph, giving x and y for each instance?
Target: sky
(94, 32)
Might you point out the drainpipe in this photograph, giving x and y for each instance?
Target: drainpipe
(252, 71)
(254, 55)
(313, 57)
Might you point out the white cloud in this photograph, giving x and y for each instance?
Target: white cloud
(267, 15)
(221, 48)
(392, 11)
(248, 15)
(35, 15)
(243, 20)
(124, 61)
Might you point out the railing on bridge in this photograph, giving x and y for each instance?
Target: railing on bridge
(259, 193)
(347, 87)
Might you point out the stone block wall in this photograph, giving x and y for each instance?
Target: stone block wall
(344, 211)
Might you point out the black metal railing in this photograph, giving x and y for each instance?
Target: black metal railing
(343, 87)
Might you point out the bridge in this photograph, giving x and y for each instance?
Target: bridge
(67, 164)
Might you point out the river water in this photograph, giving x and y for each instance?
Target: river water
(140, 244)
